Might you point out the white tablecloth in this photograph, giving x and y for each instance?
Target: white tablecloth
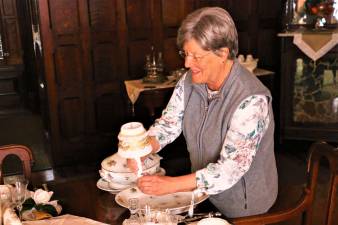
(65, 220)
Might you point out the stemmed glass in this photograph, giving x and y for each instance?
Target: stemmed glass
(19, 194)
(133, 206)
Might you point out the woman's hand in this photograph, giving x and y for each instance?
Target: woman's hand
(161, 185)
(132, 164)
(156, 185)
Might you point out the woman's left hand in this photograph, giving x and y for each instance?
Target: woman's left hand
(161, 185)
(156, 185)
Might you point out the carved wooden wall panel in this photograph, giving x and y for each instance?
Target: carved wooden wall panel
(139, 19)
(100, 12)
(106, 60)
(111, 108)
(10, 33)
(83, 71)
(68, 63)
(137, 51)
(72, 119)
(173, 12)
(9, 8)
(64, 16)
(104, 63)
(140, 37)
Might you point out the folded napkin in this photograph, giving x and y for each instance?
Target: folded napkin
(64, 220)
(10, 217)
(8, 214)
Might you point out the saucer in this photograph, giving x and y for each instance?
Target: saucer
(104, 185)
(115, 188)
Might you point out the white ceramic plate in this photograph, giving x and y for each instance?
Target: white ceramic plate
(177, 202)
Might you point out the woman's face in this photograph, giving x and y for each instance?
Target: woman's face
(205, 65)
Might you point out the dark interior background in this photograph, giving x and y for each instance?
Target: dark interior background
(75, 81)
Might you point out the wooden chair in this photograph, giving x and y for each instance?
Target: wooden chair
(22, 152)
(304, 206)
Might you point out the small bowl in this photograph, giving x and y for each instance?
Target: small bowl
(114, 168)
(116, 163)
(128, 177)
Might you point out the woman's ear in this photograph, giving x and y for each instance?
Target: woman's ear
(224, 53)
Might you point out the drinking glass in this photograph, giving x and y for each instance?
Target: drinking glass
(133, 206)
(19, 194)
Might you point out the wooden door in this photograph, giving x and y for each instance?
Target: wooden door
(84, 65)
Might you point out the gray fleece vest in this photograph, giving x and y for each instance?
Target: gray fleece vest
(205, 125)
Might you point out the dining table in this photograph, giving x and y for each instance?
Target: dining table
(80, 196)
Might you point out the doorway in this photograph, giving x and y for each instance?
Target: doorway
(22, 120)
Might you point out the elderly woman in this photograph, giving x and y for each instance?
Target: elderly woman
(226, 117)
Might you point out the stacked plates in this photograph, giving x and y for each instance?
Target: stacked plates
(116, 176)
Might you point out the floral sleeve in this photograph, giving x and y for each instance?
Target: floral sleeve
(247, 128)
(169, 126)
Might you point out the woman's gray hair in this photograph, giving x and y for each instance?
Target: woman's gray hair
(212, 28)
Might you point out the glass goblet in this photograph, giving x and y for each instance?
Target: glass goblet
(19, 194)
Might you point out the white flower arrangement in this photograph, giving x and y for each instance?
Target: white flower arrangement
(40, 200)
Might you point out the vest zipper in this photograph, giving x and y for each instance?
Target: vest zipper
(244, 192)
(206, 108)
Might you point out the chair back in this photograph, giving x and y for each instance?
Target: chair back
(22, 152)
(304, 206)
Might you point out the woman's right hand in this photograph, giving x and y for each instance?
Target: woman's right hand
(132, 164)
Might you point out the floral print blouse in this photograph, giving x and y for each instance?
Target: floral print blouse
(247, 128)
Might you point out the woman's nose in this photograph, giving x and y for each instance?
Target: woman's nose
(188, 61)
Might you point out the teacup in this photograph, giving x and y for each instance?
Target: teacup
(249, 58)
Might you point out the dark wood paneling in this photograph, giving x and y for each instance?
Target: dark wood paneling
(10, 33)
(139, 19)
(64, 16)
(172, 60)
(11, 63)
(136, 54)
(84, 64)
(68, 63)
(100, 15)
(173, 12)
(72, 119)
(109, 110)
(104, 63)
